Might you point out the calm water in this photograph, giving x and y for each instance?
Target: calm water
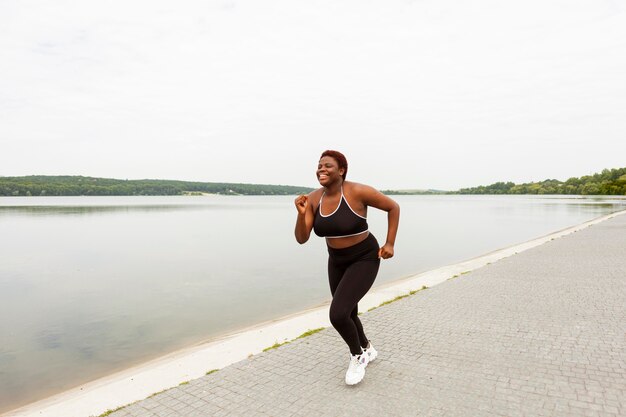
(91, 285)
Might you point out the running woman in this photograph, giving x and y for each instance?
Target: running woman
(337, 211)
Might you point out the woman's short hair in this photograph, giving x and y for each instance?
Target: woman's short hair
(340, 158)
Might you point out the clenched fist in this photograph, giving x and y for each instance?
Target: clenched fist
(302, 201)
(386, 251)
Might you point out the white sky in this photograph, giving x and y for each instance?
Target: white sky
(418, 94)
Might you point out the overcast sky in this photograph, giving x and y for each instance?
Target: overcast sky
(437, 94)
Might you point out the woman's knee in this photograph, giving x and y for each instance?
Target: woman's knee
(338, 316)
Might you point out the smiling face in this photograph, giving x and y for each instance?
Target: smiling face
(328, 171)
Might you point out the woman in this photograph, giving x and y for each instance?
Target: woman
(338, 211)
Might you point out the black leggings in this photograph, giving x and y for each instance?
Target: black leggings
(351, 273)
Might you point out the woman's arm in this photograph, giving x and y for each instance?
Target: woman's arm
(374, 198)
(304, 222)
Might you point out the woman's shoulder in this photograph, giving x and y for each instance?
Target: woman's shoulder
(316, 193)
(315, 196)
(358, 189)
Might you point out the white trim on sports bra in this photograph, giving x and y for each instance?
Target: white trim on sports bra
(334, 211)
(351, 208)
(353, 234)
(339, 205)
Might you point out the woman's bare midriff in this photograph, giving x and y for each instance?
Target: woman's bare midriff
(344, 242)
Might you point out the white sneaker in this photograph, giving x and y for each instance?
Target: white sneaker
(356, 369)
(371, 353)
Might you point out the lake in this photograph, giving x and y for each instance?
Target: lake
(93, 285)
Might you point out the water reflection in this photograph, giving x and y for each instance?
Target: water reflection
(91, 210)
(76, 206)
(37, 206)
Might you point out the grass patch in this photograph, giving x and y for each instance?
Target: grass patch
(156, 393)
(398, 298)
(458, 275)
(109, 412)
(414, 291)
(274, 346)
(309, 333)
(305, 334)
(184, 383)
(211, 371)
(395, 299)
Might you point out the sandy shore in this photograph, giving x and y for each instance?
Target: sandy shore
(141, 381)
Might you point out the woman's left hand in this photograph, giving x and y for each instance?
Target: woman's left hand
(386, 251)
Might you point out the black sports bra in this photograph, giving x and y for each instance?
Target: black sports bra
(342, 222)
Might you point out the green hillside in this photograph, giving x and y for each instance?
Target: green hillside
(608, 182)
(77, 185)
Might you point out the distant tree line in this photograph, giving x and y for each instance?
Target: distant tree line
(79, 185)
(608, 182)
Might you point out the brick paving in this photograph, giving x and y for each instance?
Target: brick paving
(541, 333)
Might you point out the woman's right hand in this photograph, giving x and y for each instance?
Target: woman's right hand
(302, 201)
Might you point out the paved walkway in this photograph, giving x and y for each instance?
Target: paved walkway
(541, 333)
